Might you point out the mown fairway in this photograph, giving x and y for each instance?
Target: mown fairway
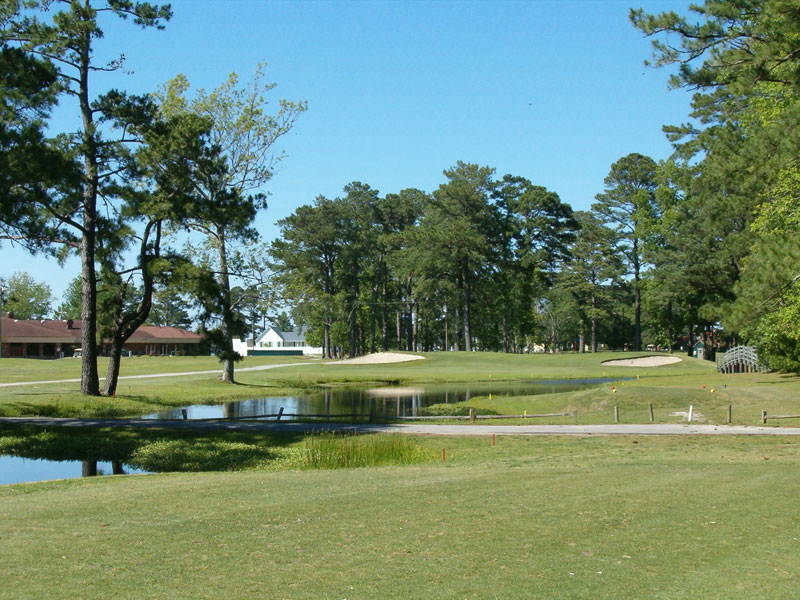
(140, 396)
(532, 517)
(671, 388)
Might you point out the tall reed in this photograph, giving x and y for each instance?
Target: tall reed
(345, 451)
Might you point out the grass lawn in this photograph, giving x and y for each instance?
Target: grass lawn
(27, 369)
(671, 395)
(486, 366)
(539, 517)
(134, 396)
(671, 388)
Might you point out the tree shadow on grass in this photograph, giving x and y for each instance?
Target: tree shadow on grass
(158, 450)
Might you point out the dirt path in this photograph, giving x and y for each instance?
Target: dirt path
(418, 429)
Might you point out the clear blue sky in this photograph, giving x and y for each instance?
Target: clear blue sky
(554, 91)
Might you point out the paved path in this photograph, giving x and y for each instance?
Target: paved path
(211, 372)
(420, 429)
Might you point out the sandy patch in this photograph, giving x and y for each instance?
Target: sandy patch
(643, 361)
(394, 392)
(378, 358)
(696, 416)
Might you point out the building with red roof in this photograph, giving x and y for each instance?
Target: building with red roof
(53, 338)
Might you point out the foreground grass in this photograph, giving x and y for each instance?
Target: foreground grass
(534, 517)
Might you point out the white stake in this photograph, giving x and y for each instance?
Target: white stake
(691, 410)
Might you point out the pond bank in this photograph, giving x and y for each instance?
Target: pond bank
(419, 429)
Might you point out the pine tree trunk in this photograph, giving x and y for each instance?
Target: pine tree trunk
(399, 336)
(384, 324)
(354, 316)
(373, 317)
(410, 316)
(505, 333)
(114, 359)
(125, 325)
(90, 382)
(326, 337)
(227, 312)
(594, 324)
(637, 293)
(415, 341)
(456, 329)
(467, 300)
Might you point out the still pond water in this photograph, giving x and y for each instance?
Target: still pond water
(384, 401)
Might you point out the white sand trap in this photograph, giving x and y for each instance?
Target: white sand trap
(378, 358)
(394, 392)
(643, 361)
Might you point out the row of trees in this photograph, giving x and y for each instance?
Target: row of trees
(481, 263)
(128, 173)
(702, 244)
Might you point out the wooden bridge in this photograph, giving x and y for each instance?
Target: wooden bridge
(740, 359)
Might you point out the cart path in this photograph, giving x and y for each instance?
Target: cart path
(148, 375)
(417, 429)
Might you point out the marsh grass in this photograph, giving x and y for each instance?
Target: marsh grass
(188, 455)
(332, 451)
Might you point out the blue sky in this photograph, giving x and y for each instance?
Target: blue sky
(554, 91)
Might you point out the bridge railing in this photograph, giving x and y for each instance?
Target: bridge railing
(740, 359)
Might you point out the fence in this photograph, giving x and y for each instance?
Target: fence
(472, 417)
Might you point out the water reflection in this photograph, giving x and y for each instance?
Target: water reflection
(15, 469)
(360, 403)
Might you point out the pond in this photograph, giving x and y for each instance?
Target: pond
(15, 469)
(381, 401)
(387, 401)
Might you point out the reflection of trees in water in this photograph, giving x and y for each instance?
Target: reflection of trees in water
(89, 468)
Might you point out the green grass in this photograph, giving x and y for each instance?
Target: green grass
(748, 395)
(26, 369)
(670, 388)
(606, 517)
(485, 366)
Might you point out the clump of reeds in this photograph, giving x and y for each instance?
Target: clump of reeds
(346, 451)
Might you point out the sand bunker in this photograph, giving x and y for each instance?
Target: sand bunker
(394, 392)
(378, 358)
(643, 361)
